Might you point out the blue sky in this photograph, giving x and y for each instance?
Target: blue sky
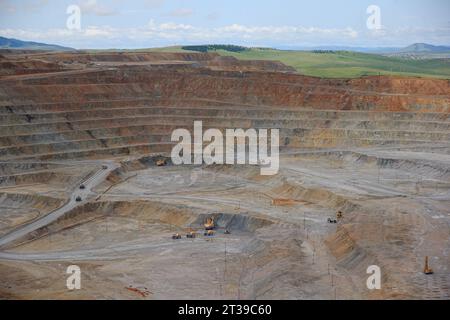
(281, 23)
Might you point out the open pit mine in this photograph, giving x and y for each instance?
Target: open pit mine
(86, 180)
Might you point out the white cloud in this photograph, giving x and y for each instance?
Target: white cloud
(98, 32)
(170, 26)
(168, 33)
(284, 34)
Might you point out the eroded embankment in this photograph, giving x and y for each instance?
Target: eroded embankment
(370, 234)
(17, 209)
(178, 216)
(101, 112)
(254, 88)
(435, 166)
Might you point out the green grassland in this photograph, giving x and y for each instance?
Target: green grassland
(340, 64)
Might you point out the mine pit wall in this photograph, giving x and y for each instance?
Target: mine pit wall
(41, 177)
(367, 235)
(83, 57)
(178, 216)
(27, 205)
(68, 176)
(10, 199)
(12, 67)
(311, 112)
(235, 222)
(103, 133)
(257, 88)
(428, 168)
(259, 117)
(11, 168)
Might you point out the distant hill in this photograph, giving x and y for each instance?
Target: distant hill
(421, 51)
(341, 48)
(335, 64)
(425, 48)
(6, 43)
(214, 47)
(414, 48)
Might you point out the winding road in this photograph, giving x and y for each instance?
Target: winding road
(90, 183)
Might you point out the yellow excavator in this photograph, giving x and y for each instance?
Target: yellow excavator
(161, 163)
(191, 235)
(209, 233)
(209, 224)
(427, 269)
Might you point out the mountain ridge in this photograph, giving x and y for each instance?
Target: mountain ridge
(15, 44)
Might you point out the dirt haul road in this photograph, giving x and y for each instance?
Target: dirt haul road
(106, 167)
